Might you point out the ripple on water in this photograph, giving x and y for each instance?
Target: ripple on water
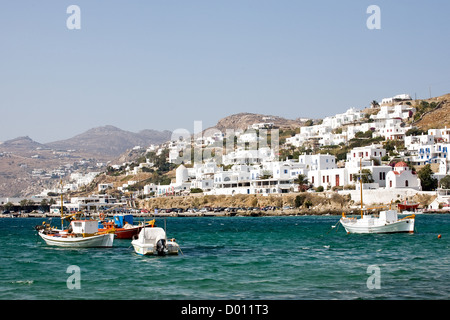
(235, 258)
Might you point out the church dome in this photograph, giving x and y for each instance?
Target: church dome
(401, 164)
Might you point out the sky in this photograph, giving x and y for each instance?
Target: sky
(154, 64)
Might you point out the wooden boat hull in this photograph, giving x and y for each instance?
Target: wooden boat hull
(407, 207)
(125, 233)
(101, 241)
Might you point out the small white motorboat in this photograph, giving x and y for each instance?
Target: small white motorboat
(153, 241)
(80, 234)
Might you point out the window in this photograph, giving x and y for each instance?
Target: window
(285, 171)
(406, 183)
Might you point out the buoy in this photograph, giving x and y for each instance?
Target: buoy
(439, 236)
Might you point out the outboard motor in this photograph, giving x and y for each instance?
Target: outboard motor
(161, 246)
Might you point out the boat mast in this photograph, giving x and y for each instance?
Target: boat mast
(62, 206)
(360, 184)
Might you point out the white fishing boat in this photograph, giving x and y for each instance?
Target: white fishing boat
(153, 241)
(80, 234)
(386, 221)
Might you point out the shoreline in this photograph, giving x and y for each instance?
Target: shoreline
(242, 213)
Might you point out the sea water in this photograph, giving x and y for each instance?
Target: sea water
(271, 258)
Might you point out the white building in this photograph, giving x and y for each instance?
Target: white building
(81, 179)
(397, 98)
(242, 156)
(150, 188)
(366, 154)
(401, 111)
(105, 186)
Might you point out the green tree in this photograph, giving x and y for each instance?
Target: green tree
(366, 176)
(25, 204)
(8, 206)
(302, 181)
(414, 132)
(445, 182)
(44, 205)
(298, 202)
(426, 178)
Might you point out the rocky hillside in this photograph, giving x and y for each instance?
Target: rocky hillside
(319, 203)
(241, 121)
(438, 117)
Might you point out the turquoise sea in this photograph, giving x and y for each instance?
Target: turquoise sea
(251, 258)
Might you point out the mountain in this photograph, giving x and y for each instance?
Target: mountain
(24, 143)
(110, 141)
(27, 167)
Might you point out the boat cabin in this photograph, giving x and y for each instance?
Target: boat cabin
(84, 226)
(151, 235)
(389, 216)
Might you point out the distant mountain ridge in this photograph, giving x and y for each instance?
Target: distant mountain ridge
(107, 141)
(24, 142)
(111, 141)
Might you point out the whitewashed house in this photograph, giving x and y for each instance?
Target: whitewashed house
(242, 156)
(150, 189)
(105, 186)
(397, 98)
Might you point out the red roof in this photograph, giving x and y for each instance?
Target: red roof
(400, 164)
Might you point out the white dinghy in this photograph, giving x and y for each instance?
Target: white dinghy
(153, 241)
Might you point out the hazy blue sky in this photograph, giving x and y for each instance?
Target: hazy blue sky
(161, 64)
